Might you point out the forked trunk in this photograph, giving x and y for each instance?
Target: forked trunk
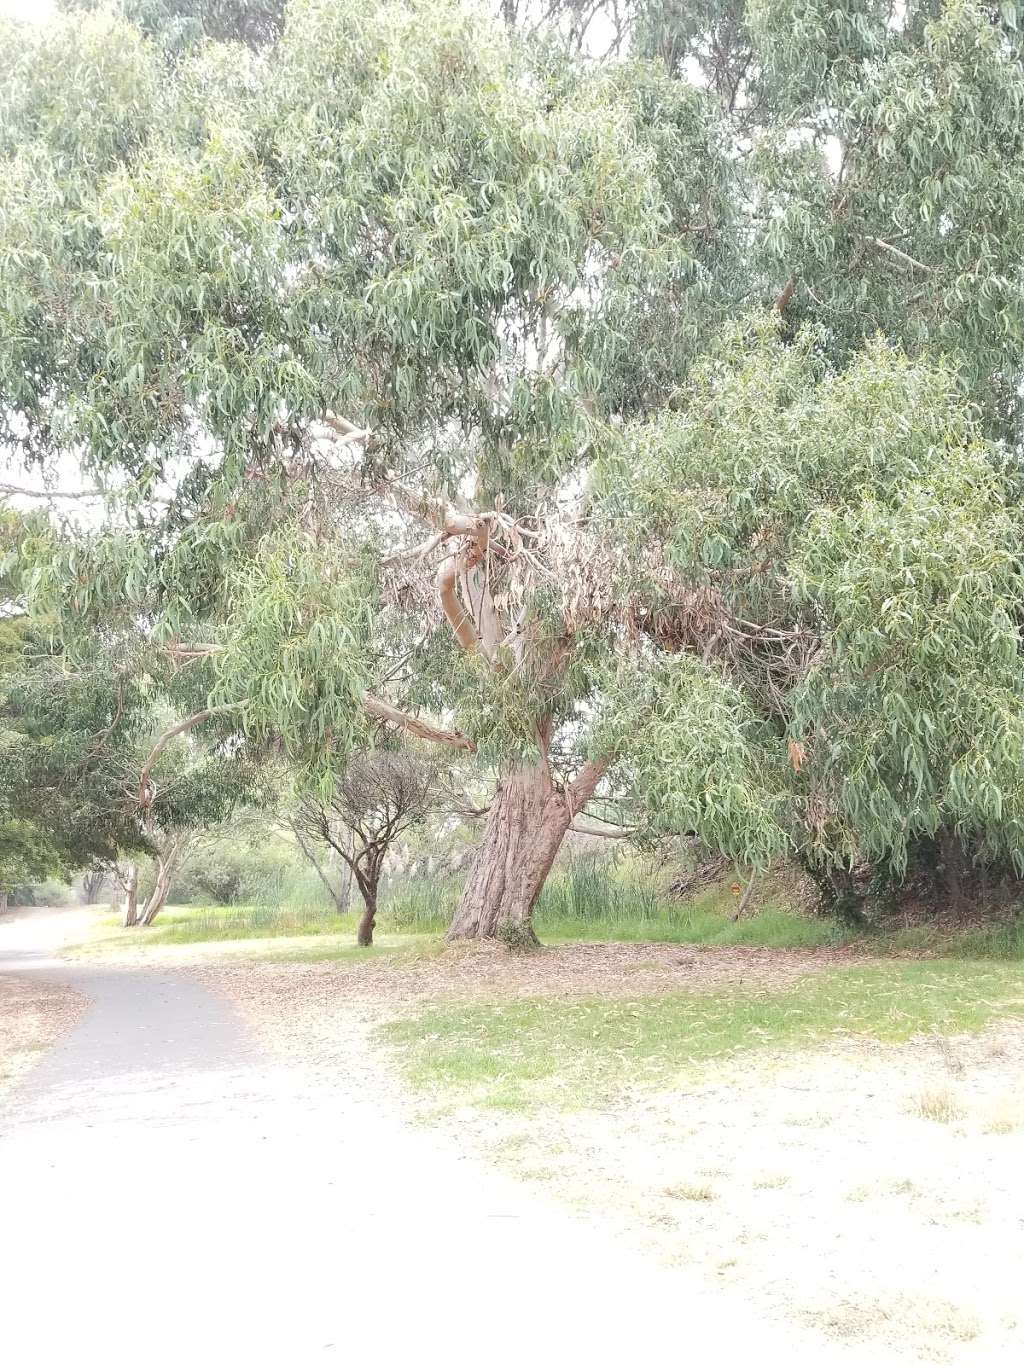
(130, 912)
(166, 866)
(158, 896)
(525, 826)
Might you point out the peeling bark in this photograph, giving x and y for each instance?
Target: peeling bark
(130, 907)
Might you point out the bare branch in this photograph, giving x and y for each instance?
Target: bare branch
(455, 613)
(601, 833)
(413, 725)
(47, 494)
(900, 255)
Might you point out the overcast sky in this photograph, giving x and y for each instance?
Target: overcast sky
(26, 9)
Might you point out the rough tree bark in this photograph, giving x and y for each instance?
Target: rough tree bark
(367, 920)
(130, 907)
(524, 829)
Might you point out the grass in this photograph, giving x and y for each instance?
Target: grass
(587, 901)
(204, 924)
(697, 1193)
(287, 934)
(524, 1053)
(591, 902)
(940, 1106)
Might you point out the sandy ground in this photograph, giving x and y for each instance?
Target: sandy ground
(172, 1189)
(872, 1194)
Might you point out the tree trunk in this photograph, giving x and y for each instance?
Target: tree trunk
(364, 933)
(166, 866)
(343, 876)
(92, 885)
(3, 902)
(130, 913)
(525, 826)
(158, 896)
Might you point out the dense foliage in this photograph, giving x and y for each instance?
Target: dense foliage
(630, 397)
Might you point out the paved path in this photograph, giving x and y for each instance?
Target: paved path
(169, 1193)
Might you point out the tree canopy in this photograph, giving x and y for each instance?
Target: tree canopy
(643, 421)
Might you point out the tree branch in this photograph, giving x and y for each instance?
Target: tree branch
(48, 493)
(787, 293)
(900, 255)
(583, 787)
(413, 725)
(601, 833)
(455, 613)
(146, 790)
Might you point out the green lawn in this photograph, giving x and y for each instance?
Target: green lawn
(625, 914)
(518, 1054)
(278, 934)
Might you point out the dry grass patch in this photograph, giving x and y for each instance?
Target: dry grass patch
(939, 1106)
(902, 1318)
(699, 1194)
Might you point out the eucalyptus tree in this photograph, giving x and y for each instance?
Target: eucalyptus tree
(844, 548)
(191, 793)
(400, 340)
(63, 760)
(379, 318)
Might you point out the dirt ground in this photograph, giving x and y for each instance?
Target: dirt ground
(471, 970)
(873, 1192)
(33, 1015)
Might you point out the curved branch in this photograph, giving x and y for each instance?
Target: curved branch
(413, 725)
(455, 613)
(146, 791)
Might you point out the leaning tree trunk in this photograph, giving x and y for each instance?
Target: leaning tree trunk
(525, 826)
(364, 932)
(130, 911)
(166, 866)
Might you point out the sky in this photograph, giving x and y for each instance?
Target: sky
(26, 9)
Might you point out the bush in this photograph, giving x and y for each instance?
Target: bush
(272, 873)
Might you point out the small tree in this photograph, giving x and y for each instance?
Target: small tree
(382, 794)
(334, 872)
(189, 794)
